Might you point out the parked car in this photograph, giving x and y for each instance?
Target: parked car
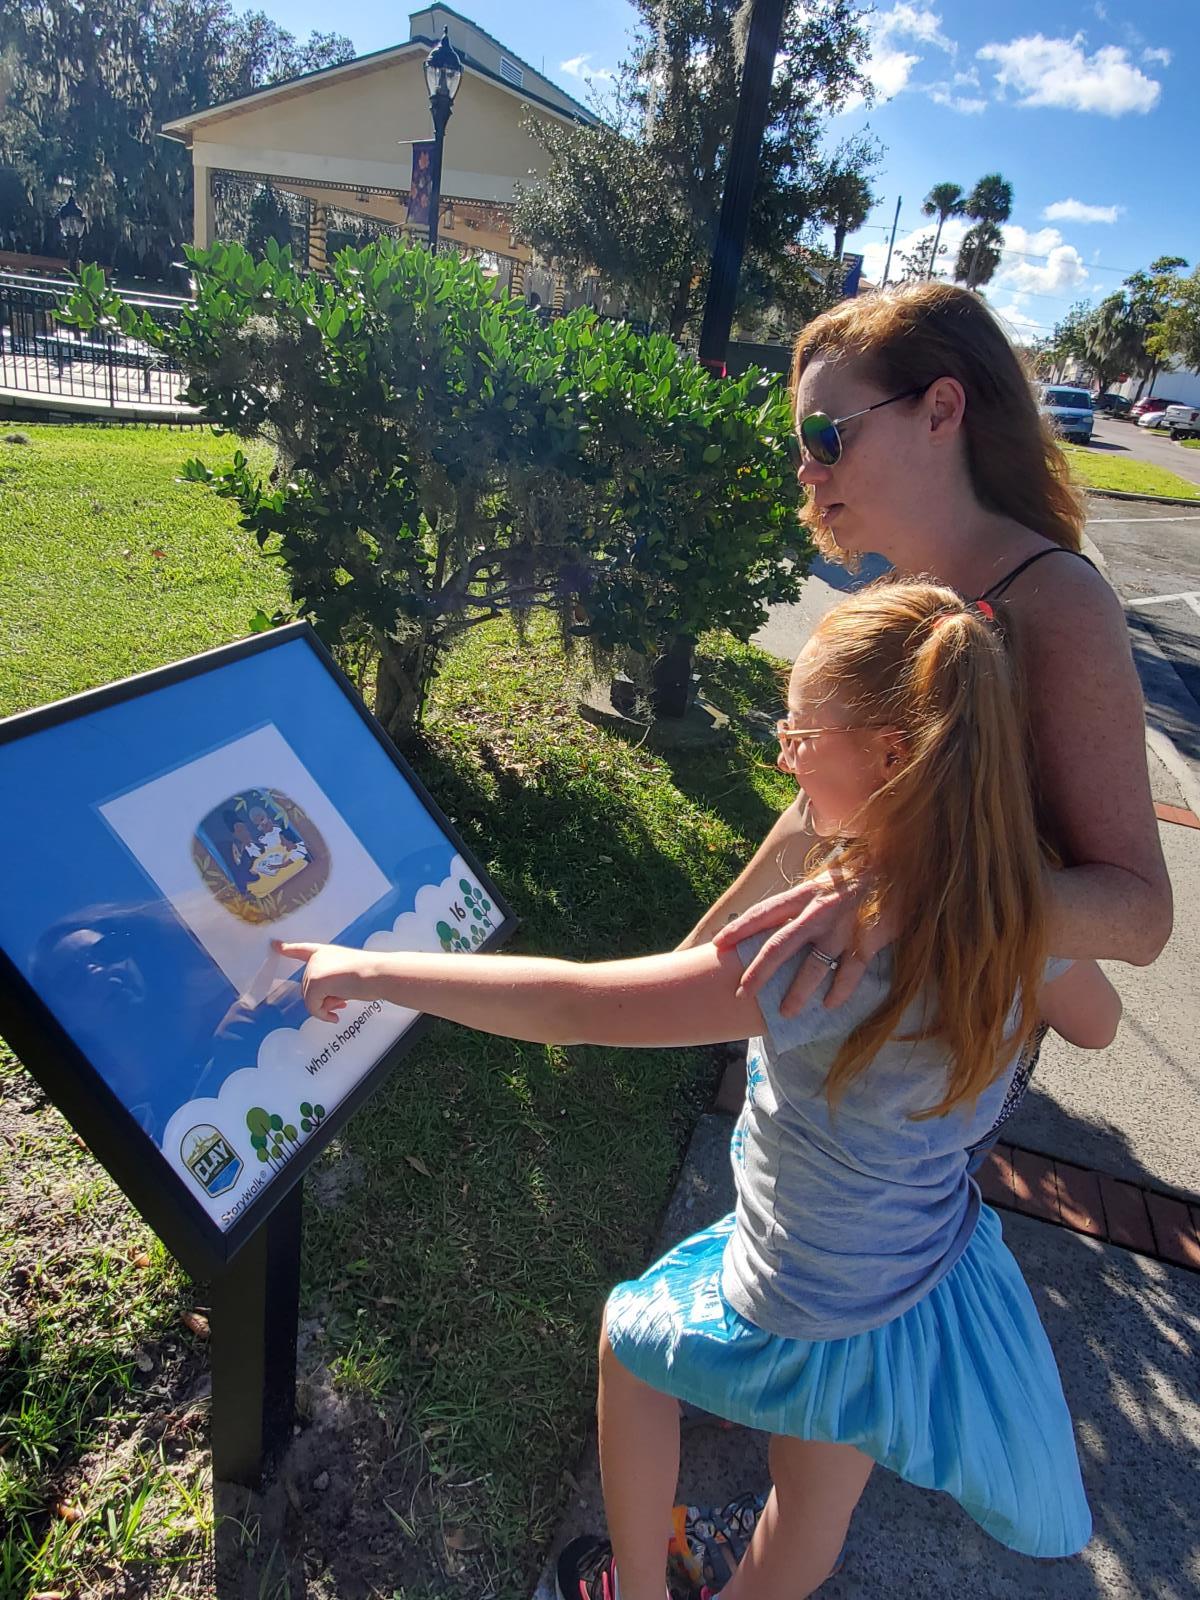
(1183, 421)
(1110, 404)
(1152, 419)
(1154, 402)
(1070, 410)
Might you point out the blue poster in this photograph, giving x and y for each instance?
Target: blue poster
(159, 843)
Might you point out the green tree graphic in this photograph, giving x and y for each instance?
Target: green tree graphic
(271, 1135)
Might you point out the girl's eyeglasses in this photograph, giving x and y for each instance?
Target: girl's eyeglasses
(819, 435)
(784, 733)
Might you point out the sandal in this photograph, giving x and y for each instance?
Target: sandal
(707, 1544)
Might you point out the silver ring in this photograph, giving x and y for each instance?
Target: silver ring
(832, 962)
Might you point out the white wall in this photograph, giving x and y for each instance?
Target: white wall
(1183, 385)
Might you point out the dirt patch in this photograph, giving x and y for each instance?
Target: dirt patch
(352, 1513)
(343, 1517)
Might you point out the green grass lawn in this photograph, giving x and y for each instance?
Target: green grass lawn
(462, 1232)
(1098, 470)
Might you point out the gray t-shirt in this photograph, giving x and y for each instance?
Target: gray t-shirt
(844, 1219)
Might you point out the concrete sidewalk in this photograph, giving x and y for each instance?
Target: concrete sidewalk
(1126, 1332)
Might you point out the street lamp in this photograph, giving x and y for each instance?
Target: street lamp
(72, 222)
(443, 74)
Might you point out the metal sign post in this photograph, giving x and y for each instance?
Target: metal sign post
(255, 1317)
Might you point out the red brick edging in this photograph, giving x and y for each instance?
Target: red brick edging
(1179, 814)
(1125, 1214)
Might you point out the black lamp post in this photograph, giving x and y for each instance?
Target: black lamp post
(443, 74)
(72, 222)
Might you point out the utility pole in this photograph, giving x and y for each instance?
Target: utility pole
(891, 242)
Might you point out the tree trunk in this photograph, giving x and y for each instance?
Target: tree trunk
(839, 239)
(937, 239)
(398, 688)
(971, 270)
(681, 306)
(672, 677)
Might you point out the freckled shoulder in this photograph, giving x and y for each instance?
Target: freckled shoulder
(1064, 610)
(1087, 714)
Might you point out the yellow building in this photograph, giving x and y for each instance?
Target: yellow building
(337, 146)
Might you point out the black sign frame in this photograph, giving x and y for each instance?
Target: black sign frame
(67, 1076)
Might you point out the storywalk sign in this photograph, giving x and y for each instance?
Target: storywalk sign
(165, 830)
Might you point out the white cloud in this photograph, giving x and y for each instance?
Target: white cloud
(1077, 211)
(1020, 321)
(1059, 72)
(893, 34)
(917, 21)
(1039, 263)
(943, 95)
(875, 254)
(577, 67)
(1157, 57)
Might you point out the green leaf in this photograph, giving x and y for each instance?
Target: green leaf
(712, 454)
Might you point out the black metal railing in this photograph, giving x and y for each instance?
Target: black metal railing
(39, 356)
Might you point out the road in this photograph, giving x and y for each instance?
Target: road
(1145, 444)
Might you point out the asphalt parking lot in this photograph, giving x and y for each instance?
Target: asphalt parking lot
(1152, 554)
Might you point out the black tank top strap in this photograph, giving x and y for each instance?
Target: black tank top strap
(1002, 584)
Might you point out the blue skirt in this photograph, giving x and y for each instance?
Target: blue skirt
(959, 1393)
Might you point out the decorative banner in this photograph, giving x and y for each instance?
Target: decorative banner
(852, 276)
(420, 189)
(171, 827)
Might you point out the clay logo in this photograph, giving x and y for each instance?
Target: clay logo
(210, 1158)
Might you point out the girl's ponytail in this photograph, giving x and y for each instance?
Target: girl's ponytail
(953, 841)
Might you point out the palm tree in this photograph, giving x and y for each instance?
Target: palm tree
(848, 200)
(943, 200)
(978, 255)
(989, 204)
(1113, 340)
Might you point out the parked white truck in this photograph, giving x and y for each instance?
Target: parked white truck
(1183, 422)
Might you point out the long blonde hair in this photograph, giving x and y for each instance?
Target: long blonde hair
(948, 846)
(910, 336)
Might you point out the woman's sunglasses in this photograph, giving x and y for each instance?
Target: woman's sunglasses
(819, 435)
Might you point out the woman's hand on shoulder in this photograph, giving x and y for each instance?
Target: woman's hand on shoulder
(822, 912)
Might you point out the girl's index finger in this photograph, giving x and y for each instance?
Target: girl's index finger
(298, 952)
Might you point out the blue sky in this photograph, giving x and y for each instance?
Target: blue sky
(1087, 106)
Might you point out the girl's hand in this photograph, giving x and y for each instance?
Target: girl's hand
(820, 912)
(333, 975)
